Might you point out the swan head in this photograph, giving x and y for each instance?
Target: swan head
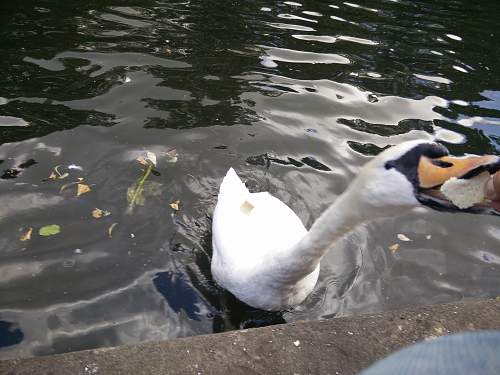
(414, 173)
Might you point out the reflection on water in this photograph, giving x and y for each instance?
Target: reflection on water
(9, 335)
(295, 96)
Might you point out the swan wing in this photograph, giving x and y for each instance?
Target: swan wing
(247, 229)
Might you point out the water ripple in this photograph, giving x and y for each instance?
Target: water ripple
(292, 56)
(295, 96)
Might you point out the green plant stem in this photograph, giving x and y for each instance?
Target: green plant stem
(139, 187)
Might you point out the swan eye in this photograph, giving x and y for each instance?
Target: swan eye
(246, 207)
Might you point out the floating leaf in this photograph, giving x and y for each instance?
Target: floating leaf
(97, 213)
(148, 159)
(27, 236)
(171, 156)
(82, 189)
(403, 237)
(49, 230)
(141, 159)
(110, 229)
(394, 248)
(175, 205)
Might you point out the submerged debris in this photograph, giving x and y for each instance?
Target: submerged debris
(57, 175)
(394, 248)
(171, 156)
(110, 229)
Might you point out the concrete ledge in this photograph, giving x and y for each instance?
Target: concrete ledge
(337, 346)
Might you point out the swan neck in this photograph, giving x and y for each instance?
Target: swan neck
(337, 221)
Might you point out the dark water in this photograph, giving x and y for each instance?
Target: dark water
(295, 96)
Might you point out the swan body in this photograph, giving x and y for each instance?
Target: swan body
(248, 228)
(263, 254)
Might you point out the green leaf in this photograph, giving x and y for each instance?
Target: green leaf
(49, 230)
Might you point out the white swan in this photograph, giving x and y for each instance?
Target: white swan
(263, 254)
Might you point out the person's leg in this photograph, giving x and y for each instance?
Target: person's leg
(471, 353)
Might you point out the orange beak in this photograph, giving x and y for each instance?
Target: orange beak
(435, 172)
(432, 173)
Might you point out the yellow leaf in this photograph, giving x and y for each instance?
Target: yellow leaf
(141, 159)
(149, 159)
(175, 205)
(82, 189)
(97, 213)
(53, 176)
(27, 236)
(394, 248)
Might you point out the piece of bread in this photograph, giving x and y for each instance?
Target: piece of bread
(466, 193)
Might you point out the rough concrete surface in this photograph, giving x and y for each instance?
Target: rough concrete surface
(336, 346)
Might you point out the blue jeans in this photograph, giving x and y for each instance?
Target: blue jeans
(472, 353)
